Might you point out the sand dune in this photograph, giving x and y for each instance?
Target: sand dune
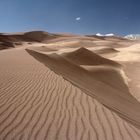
(129, 57)
(13, 40)
(83, 56)
(16, 39)
(69, 92)
(106, 50)
(99, 67)
(36, 103)
(27, 36)
(122, 103)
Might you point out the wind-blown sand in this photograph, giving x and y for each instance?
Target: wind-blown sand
(69, 93)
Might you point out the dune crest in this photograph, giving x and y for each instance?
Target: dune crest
(120, 101)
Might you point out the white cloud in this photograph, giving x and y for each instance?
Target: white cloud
(111, 34)
(78, 18)
(98, 34)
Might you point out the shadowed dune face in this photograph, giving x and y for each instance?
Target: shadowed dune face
(39, 36)
(6, 45)
(99, 67)
(106, 50)
(117, 100)
(11, 40)
(83, 56)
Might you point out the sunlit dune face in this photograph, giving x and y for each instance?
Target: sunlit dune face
(62, 43)
(128, 54)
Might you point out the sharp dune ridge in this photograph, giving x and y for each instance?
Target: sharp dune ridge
(122, 103)
(98, 66)
(68, 87)
(83, 56)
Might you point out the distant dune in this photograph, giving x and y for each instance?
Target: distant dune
(9, 40)
(69, 87)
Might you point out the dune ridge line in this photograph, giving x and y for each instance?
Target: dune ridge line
(122, 102)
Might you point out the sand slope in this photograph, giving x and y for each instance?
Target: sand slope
(70, 97)
(129, 57)
(35, 103)
(123, 103)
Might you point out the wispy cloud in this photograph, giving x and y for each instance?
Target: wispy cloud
(78, 18)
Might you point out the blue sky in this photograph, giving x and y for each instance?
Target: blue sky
(73, 16)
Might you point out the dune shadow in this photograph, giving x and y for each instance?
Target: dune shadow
(98, 77)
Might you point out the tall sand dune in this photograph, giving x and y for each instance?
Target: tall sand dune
(83, 56)
(36, 103)
(122, 103)
(11, 40)
(99, 67)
